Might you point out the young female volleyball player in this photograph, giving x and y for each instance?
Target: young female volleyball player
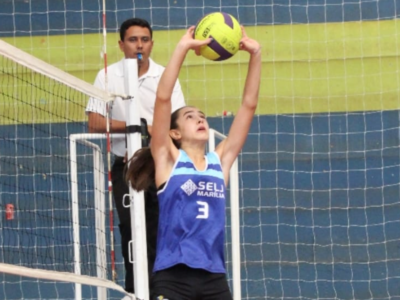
(191, 184)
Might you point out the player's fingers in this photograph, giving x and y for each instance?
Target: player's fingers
(243, 43)
(203, 42)
(244, 34)
(190, 30)
(207, 41)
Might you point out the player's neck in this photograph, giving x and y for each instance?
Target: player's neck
(197, 157)
(196, 153)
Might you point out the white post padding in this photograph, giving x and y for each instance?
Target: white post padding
(138, 222)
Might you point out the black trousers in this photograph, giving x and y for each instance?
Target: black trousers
(181, 282)
(120, 188)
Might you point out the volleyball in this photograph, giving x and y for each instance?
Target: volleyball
(225, 31)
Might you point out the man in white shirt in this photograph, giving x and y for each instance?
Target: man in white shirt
(136, 39)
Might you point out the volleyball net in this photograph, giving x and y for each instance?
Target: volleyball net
(50, 224)
(319, 174)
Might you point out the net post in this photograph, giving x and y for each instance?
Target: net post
(100, 206)
(75, 214)
(235, 224)
(235, 230)
(99, 182)
(138, 223)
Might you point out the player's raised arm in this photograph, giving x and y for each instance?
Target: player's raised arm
(230, 148)
(162, 110)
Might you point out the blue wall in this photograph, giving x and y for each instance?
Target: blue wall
(58, 17)
(320, 208)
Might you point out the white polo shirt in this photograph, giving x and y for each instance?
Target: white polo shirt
(148, 84)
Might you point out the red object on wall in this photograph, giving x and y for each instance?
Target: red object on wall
(9, 212)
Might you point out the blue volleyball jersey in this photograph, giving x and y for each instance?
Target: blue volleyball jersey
(191, 227)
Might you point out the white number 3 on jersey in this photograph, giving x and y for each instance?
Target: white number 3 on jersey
(203, 210)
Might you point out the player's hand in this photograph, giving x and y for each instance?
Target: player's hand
(189, 43)
(248, 44)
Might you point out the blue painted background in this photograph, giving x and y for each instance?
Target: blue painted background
(320, 194)
(320, 208)
(58, 17)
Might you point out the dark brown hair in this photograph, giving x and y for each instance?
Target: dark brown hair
(134, 22)
(141, 170)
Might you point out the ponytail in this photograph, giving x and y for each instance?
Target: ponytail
(141, 170)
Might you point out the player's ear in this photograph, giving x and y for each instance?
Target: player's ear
(175, 134)
(121, 45)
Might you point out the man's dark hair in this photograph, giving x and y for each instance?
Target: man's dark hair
(134, 22)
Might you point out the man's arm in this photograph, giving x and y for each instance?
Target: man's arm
(96, 111)
(98, 124)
